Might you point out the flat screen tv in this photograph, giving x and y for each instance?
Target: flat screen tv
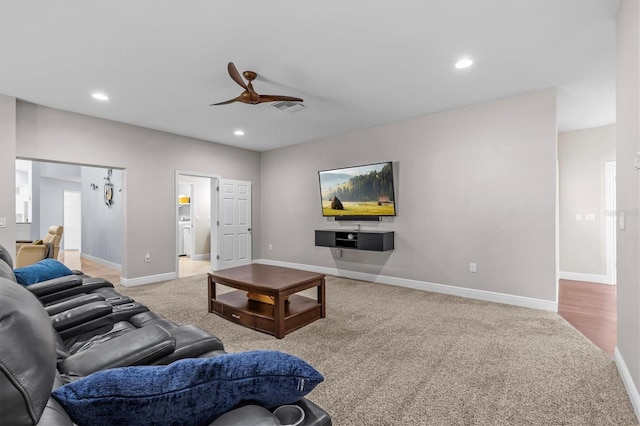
(359, 192)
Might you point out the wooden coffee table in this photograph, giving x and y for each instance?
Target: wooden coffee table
(289, 312)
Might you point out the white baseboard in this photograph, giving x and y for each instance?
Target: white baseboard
(102, 261)
(632, 390)
(591, 278)
(205, 256)
(527, 302)
(148, 279)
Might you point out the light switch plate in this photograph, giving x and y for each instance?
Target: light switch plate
(3, 222)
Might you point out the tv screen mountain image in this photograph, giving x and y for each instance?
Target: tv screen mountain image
(358, 191)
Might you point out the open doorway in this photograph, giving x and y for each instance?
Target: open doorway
(587, 233)
(88, 201)
(196, 219)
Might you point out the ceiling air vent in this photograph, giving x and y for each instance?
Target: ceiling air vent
(288, 106)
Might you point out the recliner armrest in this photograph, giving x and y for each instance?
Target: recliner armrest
(142, 346)
(191, 342)
(55, 285)
(118, 313)
(87, 286)
(28, 254)
(80, 314)
(73, 303)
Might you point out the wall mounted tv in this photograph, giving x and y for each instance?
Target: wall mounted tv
(359, 192)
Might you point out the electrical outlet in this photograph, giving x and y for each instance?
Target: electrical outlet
(270, 246)
(147, 258)
(472, 267)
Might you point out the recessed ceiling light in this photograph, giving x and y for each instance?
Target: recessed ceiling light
(464, 63)
(100, 96)
(238, 133)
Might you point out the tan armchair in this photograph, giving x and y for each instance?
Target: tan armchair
(49, 247)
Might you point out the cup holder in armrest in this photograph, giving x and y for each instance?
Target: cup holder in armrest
(125, 306)
(119, 300)
(127, 310)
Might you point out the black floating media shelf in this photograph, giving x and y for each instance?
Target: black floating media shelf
(357, 240)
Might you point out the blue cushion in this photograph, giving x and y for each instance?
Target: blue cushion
(46, 269)
(190, 391)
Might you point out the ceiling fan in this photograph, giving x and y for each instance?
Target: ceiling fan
(249, 96)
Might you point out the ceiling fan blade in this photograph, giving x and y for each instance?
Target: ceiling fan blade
(228, 102)
(277, 98)
(235, 75)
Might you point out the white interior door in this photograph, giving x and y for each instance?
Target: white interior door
(72, 221)
(234, 202)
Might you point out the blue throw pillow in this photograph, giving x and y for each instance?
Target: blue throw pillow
(46, 269)
(191, 391)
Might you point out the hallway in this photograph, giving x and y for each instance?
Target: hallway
(591, 309)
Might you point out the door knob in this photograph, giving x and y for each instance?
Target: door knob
(249, 229)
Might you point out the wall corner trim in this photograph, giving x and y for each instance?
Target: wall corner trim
(631, 388)
(101, 261)
(526, 302)
(132, 282)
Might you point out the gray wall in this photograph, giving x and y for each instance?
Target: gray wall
(582, 155)
(102, 225)
(8, 172)
(149, 159)
(475, 184)
(628, 143)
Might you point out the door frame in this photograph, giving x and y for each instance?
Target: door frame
(215, 179)
(610, 221)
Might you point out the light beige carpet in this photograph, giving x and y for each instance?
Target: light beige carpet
(397, 356)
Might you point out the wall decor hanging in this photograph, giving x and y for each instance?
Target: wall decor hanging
(108, 189)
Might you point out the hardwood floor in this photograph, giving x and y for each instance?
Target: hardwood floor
(591, 309)
(72, 259)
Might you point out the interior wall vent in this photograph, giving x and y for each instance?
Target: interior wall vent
(288, 106)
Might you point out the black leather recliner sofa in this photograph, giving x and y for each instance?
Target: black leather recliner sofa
(97, 313)
(36, 359)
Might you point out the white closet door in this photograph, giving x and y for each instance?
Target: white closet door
(235, 223)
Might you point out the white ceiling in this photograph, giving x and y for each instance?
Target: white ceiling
(355, 63)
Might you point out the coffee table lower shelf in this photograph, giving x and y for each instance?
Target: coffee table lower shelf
(236, 307)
